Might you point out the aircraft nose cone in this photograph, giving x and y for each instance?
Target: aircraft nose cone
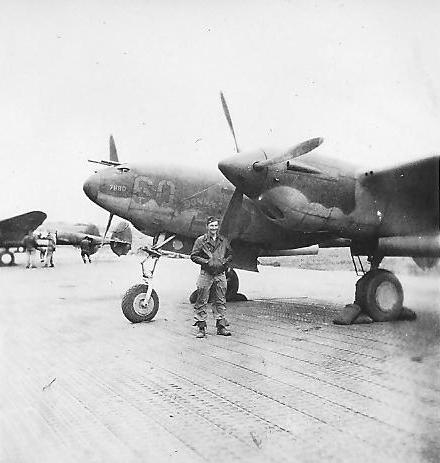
(90, 187)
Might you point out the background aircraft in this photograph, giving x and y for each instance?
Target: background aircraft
(14, 229)
(282, 206)
(12, 232)
(72, 234)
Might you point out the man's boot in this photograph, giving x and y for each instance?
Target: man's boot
(202, 330)
(221, 328)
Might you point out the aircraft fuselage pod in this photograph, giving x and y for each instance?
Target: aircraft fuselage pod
(162, 200)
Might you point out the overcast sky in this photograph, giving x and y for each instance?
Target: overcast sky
(365, 75)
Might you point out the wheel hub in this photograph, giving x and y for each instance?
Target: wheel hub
(386, 296)
(140, 307)
(6, 258)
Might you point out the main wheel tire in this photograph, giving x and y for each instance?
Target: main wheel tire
(232, 281)
(237, 297)
(132, 307)
(380, 295)
(7, 258)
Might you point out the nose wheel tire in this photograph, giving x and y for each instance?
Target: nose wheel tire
(134, 306)
(380, 295)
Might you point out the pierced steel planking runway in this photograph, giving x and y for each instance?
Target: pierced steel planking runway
(80, 383)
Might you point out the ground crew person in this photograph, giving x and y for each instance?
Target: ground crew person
(51, 246)
(31, 246)
(86, 248)
(213, 253)
(42, 250)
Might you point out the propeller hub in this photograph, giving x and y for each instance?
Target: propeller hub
(239, 170)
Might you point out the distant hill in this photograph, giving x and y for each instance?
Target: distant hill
(340, 259)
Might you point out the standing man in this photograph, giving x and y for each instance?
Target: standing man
(51, 246)
(42, 250)
(86, 248)
(31, 246)
(213, 253)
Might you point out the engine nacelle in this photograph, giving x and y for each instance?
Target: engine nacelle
(121, 239)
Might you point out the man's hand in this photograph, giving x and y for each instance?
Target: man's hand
(216, 265)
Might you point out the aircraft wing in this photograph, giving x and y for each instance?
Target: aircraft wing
(15, 228)
(99, 240)
(408, 193)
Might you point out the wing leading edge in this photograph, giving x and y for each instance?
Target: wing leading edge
(15, 228)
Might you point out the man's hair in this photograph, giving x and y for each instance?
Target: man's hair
(211, 219)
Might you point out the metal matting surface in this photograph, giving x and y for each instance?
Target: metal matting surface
(80, 383)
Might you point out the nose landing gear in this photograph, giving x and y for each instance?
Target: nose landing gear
(140, 303)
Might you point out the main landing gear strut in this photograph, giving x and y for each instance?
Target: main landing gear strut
(378, 296)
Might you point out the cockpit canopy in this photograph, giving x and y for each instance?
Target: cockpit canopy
(123, 168)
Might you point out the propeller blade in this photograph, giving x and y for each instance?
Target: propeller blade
(228, 118)
(292, 153)
(231, 219)
(107, 228)
(113, 152)
(162, 243)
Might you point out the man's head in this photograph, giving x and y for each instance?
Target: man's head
(212, 226)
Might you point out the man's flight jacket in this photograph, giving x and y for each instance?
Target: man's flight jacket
(213, 257)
